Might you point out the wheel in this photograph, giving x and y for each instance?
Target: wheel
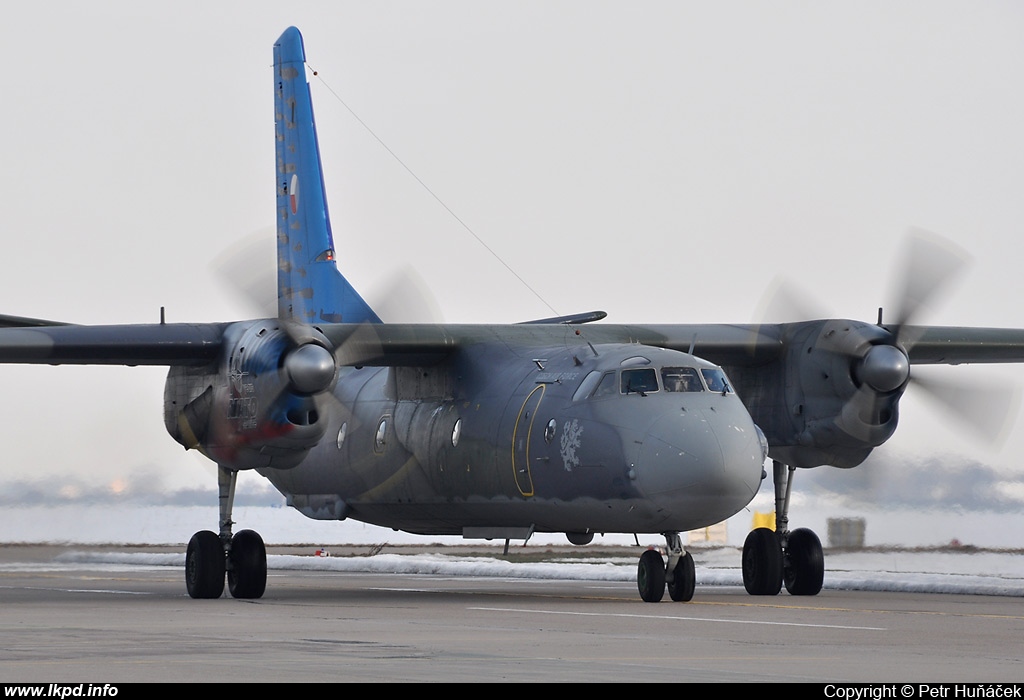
(204, 565)
(805, 564)
(683, 580)
(762, 562)
(650, 576)
(247, 565)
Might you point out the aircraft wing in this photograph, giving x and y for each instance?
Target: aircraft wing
(396, 344)
(33, 341)
(134, 344)
(23, 322)
(752, 345)
(950, 345)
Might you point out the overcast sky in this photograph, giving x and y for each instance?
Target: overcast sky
(721, 144)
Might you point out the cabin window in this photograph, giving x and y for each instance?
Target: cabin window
(639, 381)
(681, 379)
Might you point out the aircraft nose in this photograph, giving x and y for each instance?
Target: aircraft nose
(700, 465)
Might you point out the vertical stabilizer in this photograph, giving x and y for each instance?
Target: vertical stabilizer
(309, 286)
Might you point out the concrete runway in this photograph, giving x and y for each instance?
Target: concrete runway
(100, 624)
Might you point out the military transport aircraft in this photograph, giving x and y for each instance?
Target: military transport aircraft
(501, 431)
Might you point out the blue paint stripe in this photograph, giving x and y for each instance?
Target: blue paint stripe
(310, 286)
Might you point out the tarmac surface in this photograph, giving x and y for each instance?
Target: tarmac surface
(103, 623)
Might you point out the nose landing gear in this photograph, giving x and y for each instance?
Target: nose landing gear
(653, 574)
(650, 576)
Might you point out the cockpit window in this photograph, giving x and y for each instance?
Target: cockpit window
(606, 387)
(639, 381)
(587, 385)
(681, 379)
(716, 381)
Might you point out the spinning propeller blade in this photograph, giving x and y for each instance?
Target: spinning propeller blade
(879, 356)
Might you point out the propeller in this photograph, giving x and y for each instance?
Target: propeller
(988, 409)
(404, 297)
(310, 365)
(248, 271)
(929, 264)
(880, 355)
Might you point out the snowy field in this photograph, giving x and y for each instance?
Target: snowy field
(984, 573)
(988, 571)
(173, 524)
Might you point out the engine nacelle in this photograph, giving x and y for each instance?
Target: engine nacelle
(839, 398)
(260, 405)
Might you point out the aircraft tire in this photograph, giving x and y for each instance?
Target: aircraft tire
(805, 570)
(684, 580)
(650, 576)
(762, 562)
(204, 565)
(247, 573)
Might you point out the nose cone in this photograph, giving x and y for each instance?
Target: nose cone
(700, 466)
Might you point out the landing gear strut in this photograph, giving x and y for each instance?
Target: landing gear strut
(771, 559)
(243, 556)
(653, 573)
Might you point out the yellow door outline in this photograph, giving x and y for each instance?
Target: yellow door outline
(521, 457)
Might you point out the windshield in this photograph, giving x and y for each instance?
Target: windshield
(640, 381)
(716, 380)
(681, 379)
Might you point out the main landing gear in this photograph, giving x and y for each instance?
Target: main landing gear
(243, 557)
(653, 574)
(773, 558)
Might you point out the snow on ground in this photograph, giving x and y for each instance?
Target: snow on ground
(984, 573)
(981, 572)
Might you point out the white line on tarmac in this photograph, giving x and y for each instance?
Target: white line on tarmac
(676, 617)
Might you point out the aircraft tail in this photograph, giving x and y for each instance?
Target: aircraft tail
(310, 287)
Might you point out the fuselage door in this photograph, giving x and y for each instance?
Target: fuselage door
(522, 434)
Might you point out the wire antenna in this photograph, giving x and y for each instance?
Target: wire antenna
(432, 193)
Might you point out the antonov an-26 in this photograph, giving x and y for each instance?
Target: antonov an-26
(502, 431)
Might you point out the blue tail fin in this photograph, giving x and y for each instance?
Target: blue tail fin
(309, 286)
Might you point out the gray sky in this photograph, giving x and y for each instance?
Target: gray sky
(737, 141)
